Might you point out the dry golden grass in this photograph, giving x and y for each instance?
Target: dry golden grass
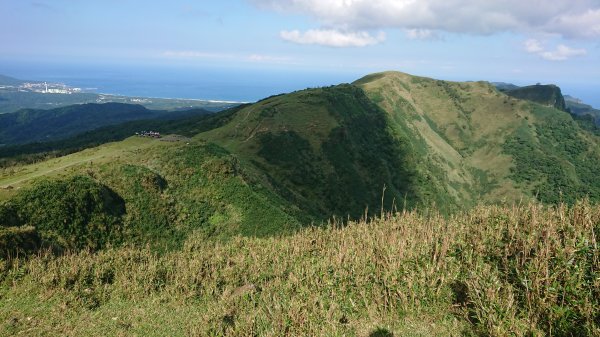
(521, 270)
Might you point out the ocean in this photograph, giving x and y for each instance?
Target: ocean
(239, 85)
(208, 83)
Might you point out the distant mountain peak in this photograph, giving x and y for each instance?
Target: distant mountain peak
(545, 94)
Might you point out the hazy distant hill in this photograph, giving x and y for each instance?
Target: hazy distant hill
(503, 86)
(7, 80)
(577, 107)
(550, 95)
(29, 125)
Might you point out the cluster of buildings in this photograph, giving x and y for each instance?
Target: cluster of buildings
(48, 88)
(151, 134)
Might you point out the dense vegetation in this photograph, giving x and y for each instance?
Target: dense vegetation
(557, 162)
(347, 172)
(523, 270)
(73, 214)
(190, 188)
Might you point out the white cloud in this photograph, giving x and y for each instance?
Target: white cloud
(332, 38)
(421, 34)
(576, 19)
(561, 53)
(578, 25)
(191, 54)
(533, 46)
(268, 58)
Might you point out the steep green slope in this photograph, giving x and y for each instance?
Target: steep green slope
(329, 150)
(28, 126)
(555, 158)
(484, 146)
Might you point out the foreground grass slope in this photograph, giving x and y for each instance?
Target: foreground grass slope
(495, 271)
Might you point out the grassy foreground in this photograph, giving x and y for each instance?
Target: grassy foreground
(521, 270)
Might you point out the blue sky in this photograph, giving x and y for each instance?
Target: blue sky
(524, 41)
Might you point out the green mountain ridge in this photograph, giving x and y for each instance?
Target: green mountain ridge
(328, 150)
(549, 95)
(388, 141)
(395, 205)
(577, 107)
(187, 123)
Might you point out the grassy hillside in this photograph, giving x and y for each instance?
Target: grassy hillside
(169, 190)
(29, 126)
(329, 150)
(75, 213)
(187, 123)
(494, 271)
(482, 145)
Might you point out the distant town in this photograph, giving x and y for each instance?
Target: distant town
(44, 88)
(16, 94)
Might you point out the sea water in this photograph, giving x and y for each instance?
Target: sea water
(209, 83)
(212, 83)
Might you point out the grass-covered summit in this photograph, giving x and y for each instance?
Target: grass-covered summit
(330, 151)
(479, 144)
